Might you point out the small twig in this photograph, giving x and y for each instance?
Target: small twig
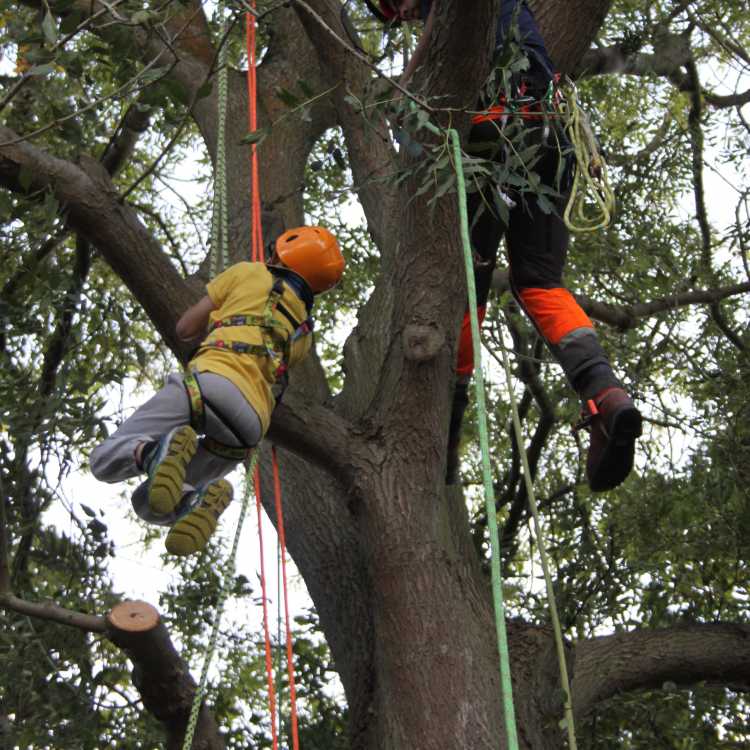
(742, 228)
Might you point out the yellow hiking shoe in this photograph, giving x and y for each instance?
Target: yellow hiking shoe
(166, 466)
(191, 533)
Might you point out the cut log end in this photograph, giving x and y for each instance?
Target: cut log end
(133, 617)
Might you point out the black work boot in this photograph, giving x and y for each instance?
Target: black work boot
(458, 408)
(614, 423)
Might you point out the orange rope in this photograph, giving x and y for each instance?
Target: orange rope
(267, 635)
(289, 652)
(252, 103)
(257, 256)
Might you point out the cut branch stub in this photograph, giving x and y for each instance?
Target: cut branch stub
(133, 617)
(160, 674)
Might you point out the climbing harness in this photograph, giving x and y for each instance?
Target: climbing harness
(276, 346)
(276, 338)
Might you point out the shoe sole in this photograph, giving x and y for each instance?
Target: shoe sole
(191, 533)
(165, 488)
(617, 460)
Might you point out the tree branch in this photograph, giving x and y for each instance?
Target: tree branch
(86, 193)
(674, 52)
(667, 63)
(695, 129)
(646, 659)
(122, 144)
(53, 613)
(371, 156)
(319, 435)
(4, 541)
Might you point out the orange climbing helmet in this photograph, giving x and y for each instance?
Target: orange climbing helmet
(314, 254)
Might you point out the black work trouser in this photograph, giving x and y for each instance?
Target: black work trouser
(537, 250)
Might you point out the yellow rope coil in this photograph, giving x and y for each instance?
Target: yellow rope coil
(592, 200)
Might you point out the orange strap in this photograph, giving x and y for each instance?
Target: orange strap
(465, 357)
(257, 256)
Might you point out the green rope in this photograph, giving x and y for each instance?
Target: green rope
(223, 593)
(541, 543)
(220, 223)
(489, 491)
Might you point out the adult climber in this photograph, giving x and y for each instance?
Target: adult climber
(537, 243)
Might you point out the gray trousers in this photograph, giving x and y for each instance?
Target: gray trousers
(114, 459)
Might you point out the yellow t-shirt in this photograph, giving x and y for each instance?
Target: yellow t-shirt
(243, 289)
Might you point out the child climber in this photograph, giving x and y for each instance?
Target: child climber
(252, 325)
(537, 243)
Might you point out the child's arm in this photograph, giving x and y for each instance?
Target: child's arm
(194, 320)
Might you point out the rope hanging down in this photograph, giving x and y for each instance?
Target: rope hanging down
(489, 489)
(223, 592)
(257, 256)
(220, 223)
(252, 475)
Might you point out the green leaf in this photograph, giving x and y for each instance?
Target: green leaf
(90, 512)
(305, 88)
(354, 102)
(142, 16)
(49, 27)
(154, 74)
(177, 91)
(256, 136)
(71, 22)
(41, 70)
(287, 97)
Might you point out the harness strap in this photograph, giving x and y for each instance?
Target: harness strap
(195, 399)
(257, 321)
(198, 405)
(229, 452)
